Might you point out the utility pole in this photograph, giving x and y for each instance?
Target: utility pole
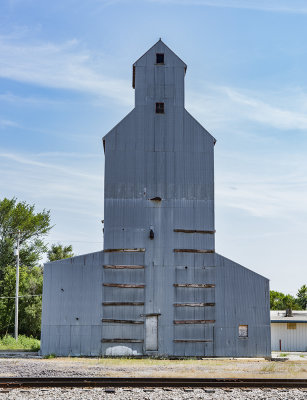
(17, 285)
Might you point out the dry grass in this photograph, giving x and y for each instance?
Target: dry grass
(224, 368)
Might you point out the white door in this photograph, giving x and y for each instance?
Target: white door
(151, 329)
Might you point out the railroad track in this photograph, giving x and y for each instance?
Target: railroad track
(151, 382)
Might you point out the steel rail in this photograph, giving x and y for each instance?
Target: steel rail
(17, 382)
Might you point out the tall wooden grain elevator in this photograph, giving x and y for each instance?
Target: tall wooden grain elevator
(158, 287)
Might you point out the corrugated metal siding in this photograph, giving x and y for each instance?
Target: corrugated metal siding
(291, 339)
(242, 298)
(170, 156)
(72, 309)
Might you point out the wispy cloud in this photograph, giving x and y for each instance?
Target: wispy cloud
(6, 123)
(17, 158)
(270, 114)
(69, 188)
(221, 106)
(293, 6)
(59, 66)
(262, 186)
(63, 154)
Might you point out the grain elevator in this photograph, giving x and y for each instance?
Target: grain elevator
(158, 287)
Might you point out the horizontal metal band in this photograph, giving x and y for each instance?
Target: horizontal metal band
(124, 285)
(122, 340)
(194, 321)
(195, 285)
(123, 266)
(122, 321)
(194, 304)
(193, 231)
(192, 251)
(122, 303)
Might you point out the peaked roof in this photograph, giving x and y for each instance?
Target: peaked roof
(158, 44)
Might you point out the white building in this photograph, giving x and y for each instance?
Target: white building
(289, 333)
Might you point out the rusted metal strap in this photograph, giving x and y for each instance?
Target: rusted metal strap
(195, 321)
(121, 321)
(192, 251)
(124, 285)
(194, 304)
(193, 231)
(123, 266)
(195, 285)
(122, 303)
(192, 340)
(123, 250)
(122, 340)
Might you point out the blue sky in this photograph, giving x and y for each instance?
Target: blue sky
(65, 81)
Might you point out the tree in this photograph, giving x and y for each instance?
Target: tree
(19, 216)
(302, 297)
(33, 228)
(30, 301)
(281, 301)
(58, 252)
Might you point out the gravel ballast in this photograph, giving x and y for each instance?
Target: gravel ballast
(146, 394)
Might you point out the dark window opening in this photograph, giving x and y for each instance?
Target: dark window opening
(159, 58)
(157, 198)
(159, 108)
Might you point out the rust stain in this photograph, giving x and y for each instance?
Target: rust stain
(194, 321)
(193, 231)
(124, 250)
(121, 321)
(123, 285)
(195, 285)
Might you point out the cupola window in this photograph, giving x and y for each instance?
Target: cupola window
(159, 58)
(159, 108)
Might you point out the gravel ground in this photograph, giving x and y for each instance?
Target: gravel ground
(148, 394)
(95, 367)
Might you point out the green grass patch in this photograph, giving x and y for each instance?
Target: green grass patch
(7, 342)
(48, 356)
(269, 368)
(283, 354)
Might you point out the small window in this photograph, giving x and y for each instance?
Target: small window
(159, 58)
(243, 331)
(291, 325)
(159, 108)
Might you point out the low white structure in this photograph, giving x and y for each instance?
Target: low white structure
(289, 333)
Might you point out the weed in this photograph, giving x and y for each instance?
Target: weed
(7, 342)
(48, 356)
(269, 368)
(283, 354)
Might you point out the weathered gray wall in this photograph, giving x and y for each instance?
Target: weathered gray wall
(72, 310)
(169, 156)
(242, 298)
(176, 277)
